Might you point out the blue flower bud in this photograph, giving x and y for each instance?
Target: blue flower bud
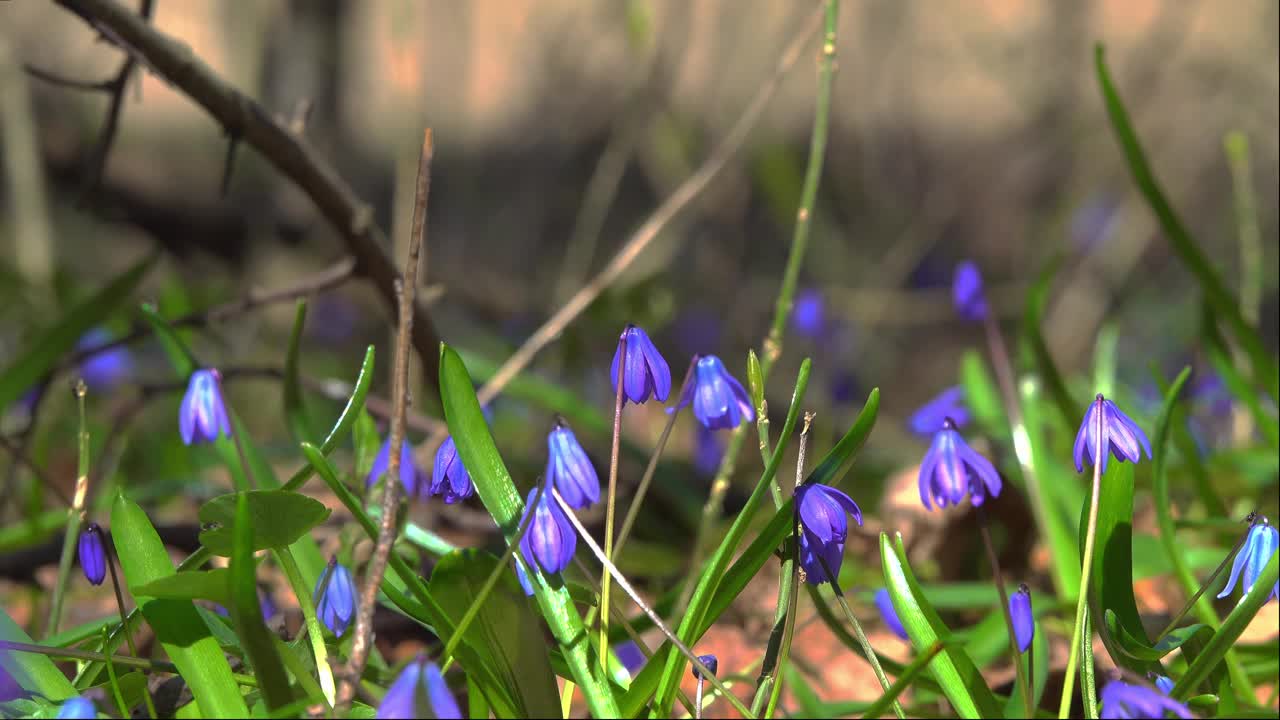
(808, 314)
(93, 556)
(1164, 684)
(202, 415)
(419, 691)
(710, 662)
(951, 469)
(889, 615)
(719, 400)
(77, 708)
(1024, 622)
(550, 540)
(1259, 545)
(449, 478)
(335, 597)
(1120, 436)
(930, 417)
(408, 472)
(1121, 701)
(569, 469)
(644, 370)
(822, 512)
(966, 292)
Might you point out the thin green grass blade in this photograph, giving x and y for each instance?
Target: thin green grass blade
(295, 411)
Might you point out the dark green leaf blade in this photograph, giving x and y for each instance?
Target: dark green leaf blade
(277, 517)
(194, 585)
(246, 612)
(295, 412)
(828, 470)
(31, 672)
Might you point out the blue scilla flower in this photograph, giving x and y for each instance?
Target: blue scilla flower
(951, 469)
(93, 556)
(947, 404)
(966, 292)
(809, 314)
(569, 469)
(419, 692)
(889, 615)
(825, 528)
(707, 451)
(202, 417)
(550, 540)
(103, 370)
(711, 664)
(449, 478)
(1164, 684)
(1120, 701)
(719, 401)
(335, 597)
(79, 708)
(408, 473)
(1121, 436)
(1024, 622)
(630, 656)
(644, 370)
(1259, 545)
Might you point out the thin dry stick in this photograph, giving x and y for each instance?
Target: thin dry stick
(377, 566)
(645, 234)
(612, 503)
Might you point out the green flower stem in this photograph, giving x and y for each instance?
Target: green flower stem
(284, 557)
(867, 650)
(75, 518)
(106, 634)
(610, 503)
(1024, 688)
(1086, 572)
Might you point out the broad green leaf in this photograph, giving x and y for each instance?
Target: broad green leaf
(1142, 650)
(246, 611)
(498, 493)
(31, 672)
(277, 517)
(828, 471)
(980, 391)
(1055, 493)
(960, 680)
(1216, 293)
(196, 585)
(295, 411)
(40, 354)
(505, 630)
(185, 637)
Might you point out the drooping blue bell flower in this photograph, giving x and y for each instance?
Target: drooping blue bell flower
(408, 473)
(889, 615)
(967, 294)
(947, 404)
(335, 597)
(809, 314)
(550, 540)
(93, 556)
(202, 416)
(104, 370)
(1121, 436)
(825, 528)
(419, 691)
(951, 469)
(569, 469)
(711, 664)
(719, 401)
(1259, 545)
(1121, 701)
(77, 708)
(449, 477)
(1024, 622)
(644, 370)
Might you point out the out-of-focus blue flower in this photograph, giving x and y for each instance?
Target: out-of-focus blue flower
(809, 314)
(265, 602)
(550, 540)
(1121, 436)
(719, 401)
(1164, 684)
(1121, 701)
(93, 556)
(951, 469)
(449, 477)
(967, 294)
(202, 415)
(335, 597)
(710, 662)
(825, 528)
(644, 370)
(1211, 392)
(104, 370)
(845, 387)
(332, 318)
(888, 614)
(1024, 622)
(569, 469)
(79, 708)
(1259, 545)
(947, 404)
(419, 691)
(408, 473)
(707, 451)
(630, 656)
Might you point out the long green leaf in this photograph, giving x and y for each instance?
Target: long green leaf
(1032, 322)
(955, 672)
(185, 637)
(32, 672)
(42, 353)
(180, 356)
(200, 584)
(828, 471)
(295, 411)
(908, 676)
(277, 518)
(246, 612)
(1265, 370)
